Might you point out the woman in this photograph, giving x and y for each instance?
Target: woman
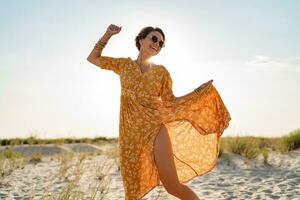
(163, 139)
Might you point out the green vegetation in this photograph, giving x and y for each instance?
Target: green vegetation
(9, 161)
(251, 147)
(70, 171)
(71, 165)
(248, 146)
(292, 140)
(33, 140)
(265, 153)
(35, 158)
(245, 146)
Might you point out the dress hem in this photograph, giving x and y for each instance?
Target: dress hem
(213, 165)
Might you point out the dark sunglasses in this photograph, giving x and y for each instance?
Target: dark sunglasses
(155, 39)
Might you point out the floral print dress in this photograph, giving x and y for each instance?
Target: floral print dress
(195, 124)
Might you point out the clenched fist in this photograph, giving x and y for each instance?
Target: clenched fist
(113, 29)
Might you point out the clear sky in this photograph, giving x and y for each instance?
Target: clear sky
(48, 89)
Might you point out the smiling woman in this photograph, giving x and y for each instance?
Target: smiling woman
(163, 139)
(149, 41)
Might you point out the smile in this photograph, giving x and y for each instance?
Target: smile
(153, 48)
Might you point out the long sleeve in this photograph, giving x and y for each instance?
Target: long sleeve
(114, 64)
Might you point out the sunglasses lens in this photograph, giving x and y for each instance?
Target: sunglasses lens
(154, 38)
(161, 44)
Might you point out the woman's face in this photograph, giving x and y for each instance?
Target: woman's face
(148, 46)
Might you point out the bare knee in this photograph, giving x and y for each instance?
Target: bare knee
(165, 162)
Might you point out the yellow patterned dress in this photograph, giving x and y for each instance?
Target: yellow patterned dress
(195, 125)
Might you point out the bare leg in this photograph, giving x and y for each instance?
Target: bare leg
(165, 164)
(186, 193)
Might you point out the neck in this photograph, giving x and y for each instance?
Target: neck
(143, 59)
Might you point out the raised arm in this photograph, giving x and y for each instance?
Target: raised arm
(96, 52)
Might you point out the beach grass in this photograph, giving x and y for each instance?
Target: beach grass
(292, 140)
(34, 140)
(248, 146)
(72, 166)
(9, 161)
(251, 146)
(71, 169)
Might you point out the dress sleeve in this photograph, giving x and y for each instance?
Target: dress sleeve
(110, 63)
(166, 93)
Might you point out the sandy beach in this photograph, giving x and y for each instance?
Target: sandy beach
(92, 171)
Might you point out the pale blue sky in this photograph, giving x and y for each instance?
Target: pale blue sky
(48, 89)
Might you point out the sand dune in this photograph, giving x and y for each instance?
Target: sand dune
(52, 149)
(234, 177)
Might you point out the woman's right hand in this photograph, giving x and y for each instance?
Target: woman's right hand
(113, 29)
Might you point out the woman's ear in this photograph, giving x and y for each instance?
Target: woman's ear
(141, 41)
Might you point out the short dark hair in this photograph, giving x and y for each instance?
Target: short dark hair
(143, 34)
